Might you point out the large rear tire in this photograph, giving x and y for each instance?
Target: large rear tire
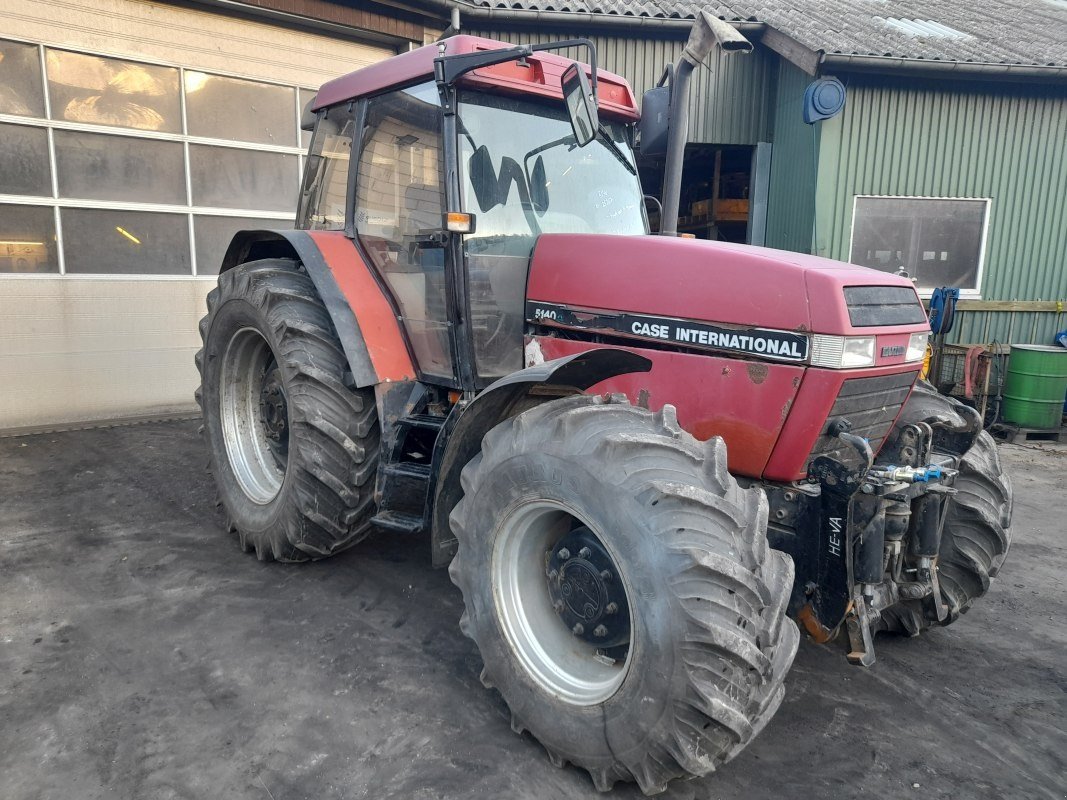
(292, 444)
(584, 504)
(977, 530)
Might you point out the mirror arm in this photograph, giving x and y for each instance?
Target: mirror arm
(586, 43)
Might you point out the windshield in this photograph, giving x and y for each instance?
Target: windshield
(523, 174)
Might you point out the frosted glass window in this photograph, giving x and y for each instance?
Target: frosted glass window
(27, 239)
(20, 80)
(24, 161)
(225, 177)
(938, 242)
(100, 166)
(245, 111)
(107, 91)
(125, 242)
(213, 235)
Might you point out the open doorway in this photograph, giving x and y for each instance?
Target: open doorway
(716, 184)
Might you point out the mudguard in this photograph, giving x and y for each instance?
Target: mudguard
(461, 438)
(361, 311)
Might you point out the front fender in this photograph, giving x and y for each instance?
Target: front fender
(461, 437)
(361, 313)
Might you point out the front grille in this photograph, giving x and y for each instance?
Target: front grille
(870, 306)
(871, 405)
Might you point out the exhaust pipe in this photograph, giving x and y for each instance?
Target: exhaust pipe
(706, 32)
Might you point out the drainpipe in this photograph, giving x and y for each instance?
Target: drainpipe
(706, 32)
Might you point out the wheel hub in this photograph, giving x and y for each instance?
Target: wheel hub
(586, 592)
(274, 414)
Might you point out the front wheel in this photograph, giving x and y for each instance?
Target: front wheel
(620, 588)
(977, 529)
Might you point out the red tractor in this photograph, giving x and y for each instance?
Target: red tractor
(640, 455)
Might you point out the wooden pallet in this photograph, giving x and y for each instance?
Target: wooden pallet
(1013, 434)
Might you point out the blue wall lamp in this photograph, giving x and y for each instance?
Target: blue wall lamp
(824, 98)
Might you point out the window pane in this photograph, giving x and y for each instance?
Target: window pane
(27, 239)
(246, 111)
(20, 80)
(103, 167)
(227, 178)
(125, 242)
(213, 235)
(106, 91)
(936, 241)
(326, 178)
(24, 161)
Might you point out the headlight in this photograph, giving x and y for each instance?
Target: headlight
(842, 352)
(917, 347)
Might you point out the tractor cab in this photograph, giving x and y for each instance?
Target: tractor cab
(453, 180)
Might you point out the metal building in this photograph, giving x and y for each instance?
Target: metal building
(949, 159)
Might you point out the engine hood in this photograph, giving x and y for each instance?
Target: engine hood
(716, 282)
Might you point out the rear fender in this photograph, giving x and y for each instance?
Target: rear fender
(361, 312)
(461, 438)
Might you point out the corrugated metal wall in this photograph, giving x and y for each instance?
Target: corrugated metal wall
(729, 103)
(792, 192)
(1007, 142)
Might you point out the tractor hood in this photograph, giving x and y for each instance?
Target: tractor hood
(738, 286)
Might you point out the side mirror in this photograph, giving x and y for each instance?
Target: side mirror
(483, 178)
(581, 105)
(655, 113)
(539, 186)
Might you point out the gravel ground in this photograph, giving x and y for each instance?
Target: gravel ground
(142, 655)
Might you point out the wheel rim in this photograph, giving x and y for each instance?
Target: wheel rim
(255, 417)
(553, 656)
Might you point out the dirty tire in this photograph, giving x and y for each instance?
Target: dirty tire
(324, 501)
(977, 532)
(710, 642)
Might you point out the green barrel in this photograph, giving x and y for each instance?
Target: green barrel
(1035, 385)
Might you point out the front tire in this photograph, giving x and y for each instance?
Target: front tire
(977, 531)
(599, 487)
(292, 444)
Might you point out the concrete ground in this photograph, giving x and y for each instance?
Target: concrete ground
(142, 655)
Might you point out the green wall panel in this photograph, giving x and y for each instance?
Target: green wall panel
(729, 97)
(1006, 142)
(792, 191)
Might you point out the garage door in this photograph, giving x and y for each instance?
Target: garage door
(135, 137)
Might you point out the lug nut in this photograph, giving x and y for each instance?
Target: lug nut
(606, 575)
(600, 631)
(611, 608)
(563, 554)
(585, 552)
(553, 574)
(558, 606)
(578, 629)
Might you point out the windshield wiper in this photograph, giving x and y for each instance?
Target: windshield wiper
(616, 150)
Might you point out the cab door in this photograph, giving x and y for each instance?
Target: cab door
(398, 219)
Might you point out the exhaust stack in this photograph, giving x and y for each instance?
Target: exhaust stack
(707, 32)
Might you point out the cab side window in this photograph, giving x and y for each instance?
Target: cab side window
(399, 207)
(325, 192)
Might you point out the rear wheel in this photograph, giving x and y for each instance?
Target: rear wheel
(620, 589)
(977, 530)
(292, 444)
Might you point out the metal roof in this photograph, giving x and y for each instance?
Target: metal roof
(1023, 32)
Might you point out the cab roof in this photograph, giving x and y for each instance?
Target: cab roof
(540, 75)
